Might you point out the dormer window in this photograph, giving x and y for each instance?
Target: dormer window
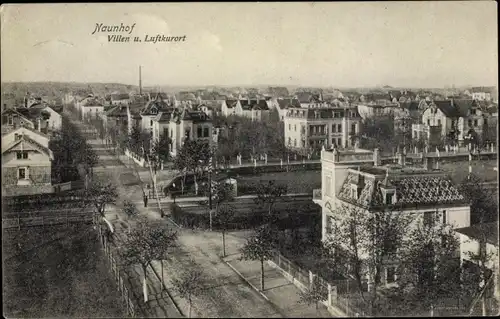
(389, 198)
(154, 110)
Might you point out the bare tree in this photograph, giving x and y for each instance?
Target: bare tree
(145, 243)
(260, 247)
(98, 195)
(268, 193)
(224, 216)
(189, 284)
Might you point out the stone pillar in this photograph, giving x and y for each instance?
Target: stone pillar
(254, 162)
(311, 279)
(492, 148)
(281, 162)
(416, 150)
(265, 158)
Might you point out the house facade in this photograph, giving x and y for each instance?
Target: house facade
(310, 129)
(26, 162)
(119, 98)
(460, 118)
(189, 125)
(481, 93)
(12, 119)
(357, 179)
(161, 124)
(90, 107)
(151, 110)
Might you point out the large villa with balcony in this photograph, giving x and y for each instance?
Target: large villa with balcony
(356, 178)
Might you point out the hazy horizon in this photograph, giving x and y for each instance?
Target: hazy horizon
(340, 45)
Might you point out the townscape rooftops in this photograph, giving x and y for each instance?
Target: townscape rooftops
(288, 103)
(477, 231)
(119, 96)
(319, 113)
(231, 103)
(254, 105)
(481, 89)
(414, 188)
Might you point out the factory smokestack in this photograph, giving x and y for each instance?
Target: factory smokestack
(140, 81)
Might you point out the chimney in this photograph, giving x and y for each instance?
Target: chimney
(377, 161)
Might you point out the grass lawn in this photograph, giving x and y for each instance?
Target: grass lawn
(460, 170)
(66, 277)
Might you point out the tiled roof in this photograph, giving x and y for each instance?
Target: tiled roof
(412, 190)
(304, 97)
(447, 108)
(195, 116)
(411, 106)
(163, 116)
(464, 106)
(231, 103)
(158, 103)
(91, 101)
(286, 103)
(254, 105)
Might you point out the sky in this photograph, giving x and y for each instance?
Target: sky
(351, 44)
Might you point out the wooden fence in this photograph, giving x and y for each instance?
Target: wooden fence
(67, 219)
(121, 277)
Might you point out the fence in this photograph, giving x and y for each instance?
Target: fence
(303, 279)
(122, 279)
(46, 220)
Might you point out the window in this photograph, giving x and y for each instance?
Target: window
(428, 122)
(17, 136)
(391, 274)
(333, 128)
(485, 122)
(200, 131)
(22, 155)
(339, 128)
(429, 219)
(289, 127)
(444, 217)
(151, 123)
(295, 142)
(353, 128)
(11, 121)
(206, 132)
(295, 127)
(339, 141)
(165, 131)
(328, 183)
(388, 199)
(439, 122)
(475, 122)
(22, 173)
(289, 141)
(469, 122)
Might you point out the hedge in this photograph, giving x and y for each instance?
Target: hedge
(246, 221)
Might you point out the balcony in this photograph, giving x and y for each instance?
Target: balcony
(317, 197)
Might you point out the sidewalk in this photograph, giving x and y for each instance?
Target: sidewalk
(278, 290)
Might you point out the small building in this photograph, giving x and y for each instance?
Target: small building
(26, 162)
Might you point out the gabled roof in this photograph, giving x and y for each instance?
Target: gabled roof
(158, 103)
(32, 142)
(447, 107)
(164, 116)
(287, 103)
(15, 112)
(231, 103)
(91, 101)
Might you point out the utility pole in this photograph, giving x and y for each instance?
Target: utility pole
(148, 161)
(210, 190)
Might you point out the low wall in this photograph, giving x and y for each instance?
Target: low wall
(137, 159)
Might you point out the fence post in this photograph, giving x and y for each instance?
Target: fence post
(311, 279)
(329, 287)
